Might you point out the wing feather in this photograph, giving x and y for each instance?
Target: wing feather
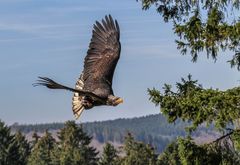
(103, 53)
(77, 106)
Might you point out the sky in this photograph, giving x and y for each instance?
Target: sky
(50, 38)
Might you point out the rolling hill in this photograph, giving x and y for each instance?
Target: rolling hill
(152, 129)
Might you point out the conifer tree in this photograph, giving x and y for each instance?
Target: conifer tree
(109, 155)
(23, 148)
(170, 155)
(35, 138)
(138, 153)
(185, 151)
(42, 151)
(210, 26)
(207, 26)
(74, 146)
(191, 102)
(10, 153)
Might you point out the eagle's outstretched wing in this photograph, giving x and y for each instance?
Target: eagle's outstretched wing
(103, 53)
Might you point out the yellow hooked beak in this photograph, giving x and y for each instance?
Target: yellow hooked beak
(118, 101)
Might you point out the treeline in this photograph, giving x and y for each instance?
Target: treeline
(73, 148)
(152, 129)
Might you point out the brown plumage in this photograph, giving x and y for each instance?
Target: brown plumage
(94, 86)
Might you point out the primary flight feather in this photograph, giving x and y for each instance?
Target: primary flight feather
(94, 86)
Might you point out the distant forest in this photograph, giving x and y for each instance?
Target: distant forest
(152, 129)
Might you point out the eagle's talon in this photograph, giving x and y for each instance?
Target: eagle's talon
(87, 104)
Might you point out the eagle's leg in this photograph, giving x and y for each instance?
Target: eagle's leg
(114, 100)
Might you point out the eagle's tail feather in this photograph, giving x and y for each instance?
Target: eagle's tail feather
(44, 81)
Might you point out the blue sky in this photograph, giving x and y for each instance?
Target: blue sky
(50, 38)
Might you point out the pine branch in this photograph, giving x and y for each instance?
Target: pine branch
(225, 136)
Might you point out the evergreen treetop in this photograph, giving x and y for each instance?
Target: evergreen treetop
(212, 26)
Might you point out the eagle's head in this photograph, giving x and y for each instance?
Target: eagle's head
(114, 100)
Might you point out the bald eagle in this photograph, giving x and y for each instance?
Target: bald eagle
(94, 86)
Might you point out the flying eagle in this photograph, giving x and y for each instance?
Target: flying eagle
(94, 86)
